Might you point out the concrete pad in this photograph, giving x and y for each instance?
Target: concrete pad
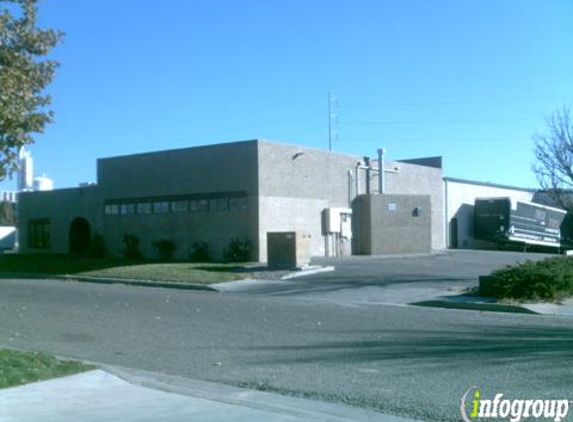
(98, 396)
(246, 284)
(565, 309)
(309, 270)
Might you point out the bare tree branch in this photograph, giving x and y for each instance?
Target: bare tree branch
(554, 158)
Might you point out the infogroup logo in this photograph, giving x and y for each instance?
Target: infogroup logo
(515, 410)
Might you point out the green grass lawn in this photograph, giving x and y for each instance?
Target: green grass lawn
(176, 272)
(18, 368)
(122, 268)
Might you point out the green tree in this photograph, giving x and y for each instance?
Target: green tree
(554, 158)
(24, 75)
(7, 214)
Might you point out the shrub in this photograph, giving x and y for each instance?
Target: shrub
(164, 249)
(200, 252)
(239, 250)
(547, 280)
(97, 247)
(131, 246)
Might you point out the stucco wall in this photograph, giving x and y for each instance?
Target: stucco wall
(388, 224)
(212, 168)
(60, 207)
(295, 185)
(412, 179)
(162, 175)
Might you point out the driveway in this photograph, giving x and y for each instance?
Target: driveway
(397, 280)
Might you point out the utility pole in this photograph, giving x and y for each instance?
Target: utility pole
(332, 119)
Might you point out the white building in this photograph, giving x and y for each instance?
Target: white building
(460, 196)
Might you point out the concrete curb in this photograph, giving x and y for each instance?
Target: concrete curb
(141, 283)
(315, 269)
(271, 402)
(476, 306)
(109, 280)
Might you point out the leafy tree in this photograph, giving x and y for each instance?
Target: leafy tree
(23, 78)
(554, 155)
(7, 214)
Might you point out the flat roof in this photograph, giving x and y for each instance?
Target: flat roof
(425, 161)
(489, 184)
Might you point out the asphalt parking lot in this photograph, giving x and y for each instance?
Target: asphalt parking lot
(393, 279)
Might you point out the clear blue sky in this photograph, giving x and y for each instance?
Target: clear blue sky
(468, 80)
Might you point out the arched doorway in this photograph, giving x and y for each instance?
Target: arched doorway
(80, 236)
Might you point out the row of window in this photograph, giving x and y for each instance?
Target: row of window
(178, 206)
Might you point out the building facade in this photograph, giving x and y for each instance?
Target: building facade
(212, 194)
(460, 196)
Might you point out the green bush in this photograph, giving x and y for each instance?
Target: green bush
(164, 249)
(131, 246)
(239, 250)
(547, 280)
(200, 252)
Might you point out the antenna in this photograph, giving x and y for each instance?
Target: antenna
(332, 119)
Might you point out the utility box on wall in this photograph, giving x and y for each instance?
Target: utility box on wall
(391, 224)
(288, 249)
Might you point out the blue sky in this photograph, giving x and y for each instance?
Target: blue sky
(468, 80)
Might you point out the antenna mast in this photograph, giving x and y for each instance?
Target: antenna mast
(332, 119)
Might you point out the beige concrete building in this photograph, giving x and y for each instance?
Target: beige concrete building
(212, 194)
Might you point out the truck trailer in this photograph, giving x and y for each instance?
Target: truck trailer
(504, 220)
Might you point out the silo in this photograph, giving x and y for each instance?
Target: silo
(26, 170)
(42, 183)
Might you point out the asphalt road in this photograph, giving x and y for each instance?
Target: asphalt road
(399, 360)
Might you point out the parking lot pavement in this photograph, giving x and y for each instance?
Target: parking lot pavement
(393, 279)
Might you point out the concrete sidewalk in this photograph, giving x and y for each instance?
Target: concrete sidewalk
(131, 395)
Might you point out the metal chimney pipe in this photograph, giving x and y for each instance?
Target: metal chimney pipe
(381, 178)
(367, 164)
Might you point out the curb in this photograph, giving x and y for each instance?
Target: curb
(270, 402)
(104, 280)
(140, 283)
(475, 306)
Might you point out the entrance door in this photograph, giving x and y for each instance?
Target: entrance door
(80, 236)
(454, 233)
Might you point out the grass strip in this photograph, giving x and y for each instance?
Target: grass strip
(17, 368)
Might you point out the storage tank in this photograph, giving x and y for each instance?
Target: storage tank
(25, 170)
(42, 183)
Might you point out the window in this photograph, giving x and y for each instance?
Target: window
(161, 207)
(126, 209)
(198, 205)
(144, 208)
(39, 234)
(111, 209)
(219, 204)
(238, 203)
(179, 206)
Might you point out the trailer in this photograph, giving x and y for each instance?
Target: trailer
(504, 220)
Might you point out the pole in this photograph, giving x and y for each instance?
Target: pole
(367, 163)
(381, 178)
(330, 120)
